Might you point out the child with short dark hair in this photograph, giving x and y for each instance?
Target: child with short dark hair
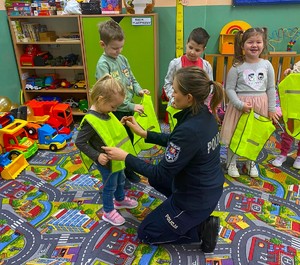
(194, 48)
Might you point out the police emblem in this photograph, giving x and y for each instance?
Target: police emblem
(172, 152)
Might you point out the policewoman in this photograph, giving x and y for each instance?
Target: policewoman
(190, 174)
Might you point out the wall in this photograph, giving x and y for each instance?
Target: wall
(10, 85)
(210, 14)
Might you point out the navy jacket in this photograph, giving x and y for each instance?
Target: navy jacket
(192, 160)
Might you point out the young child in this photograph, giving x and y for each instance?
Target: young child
(250, 85)
(195, 47)
(286, 139)
(95, 131)
(112, 62)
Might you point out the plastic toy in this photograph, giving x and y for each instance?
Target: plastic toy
(59, 111)
(5, 103)
(227, 34)
(59, 127)
(65, 83)
(83, 105)
(139, 6)
(49, 139)
(31, 50)
(14, 139)
(72, 103)
(48, 98)
(10, 169)
(5, 119)
(80, 84)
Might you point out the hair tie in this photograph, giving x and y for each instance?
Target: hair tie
(211, 82)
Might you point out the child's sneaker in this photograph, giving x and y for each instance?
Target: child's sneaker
(127, 203)
(232, 171)
(113, 217)
(277, 162)
(297, 163)
(251, 169)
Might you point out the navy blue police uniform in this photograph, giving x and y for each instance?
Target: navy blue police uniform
(189, 175)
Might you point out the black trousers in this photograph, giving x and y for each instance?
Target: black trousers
(169, 224)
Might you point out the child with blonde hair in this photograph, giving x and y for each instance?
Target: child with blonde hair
(98, 128)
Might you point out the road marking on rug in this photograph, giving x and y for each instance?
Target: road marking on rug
(147, 189)
(63, 238)
(295, 243)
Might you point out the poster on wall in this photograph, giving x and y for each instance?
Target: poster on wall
(263, 2)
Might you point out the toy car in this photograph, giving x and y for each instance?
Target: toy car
(83, 105)
(65, 83)
(71, 102)
(80, 84)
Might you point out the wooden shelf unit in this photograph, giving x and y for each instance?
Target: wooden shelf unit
(60, 25)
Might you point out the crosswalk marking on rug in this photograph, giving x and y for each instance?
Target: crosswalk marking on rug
(295, 243)
(63, 238)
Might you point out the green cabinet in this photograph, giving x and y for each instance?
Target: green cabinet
(140, 47)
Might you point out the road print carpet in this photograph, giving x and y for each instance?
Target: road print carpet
(51, 214)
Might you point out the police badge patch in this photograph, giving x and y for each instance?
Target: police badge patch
(172, 152)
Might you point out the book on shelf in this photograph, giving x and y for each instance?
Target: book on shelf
(17, 30)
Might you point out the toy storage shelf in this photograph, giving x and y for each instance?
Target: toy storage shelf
(42, 32)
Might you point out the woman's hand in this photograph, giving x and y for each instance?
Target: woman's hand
(114, 153)
(135, 127)
(103, 159)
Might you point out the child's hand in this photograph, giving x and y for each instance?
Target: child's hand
(138, 108)
(144, 91)
(103, 159)
(287, 71)
(115, 153)
(274, 116)
(247, 107)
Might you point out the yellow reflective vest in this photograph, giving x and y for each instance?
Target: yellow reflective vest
(171, 112)
(148, 121)
(289, 93)
(113, 133)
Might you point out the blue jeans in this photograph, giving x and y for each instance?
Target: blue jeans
(113, 187)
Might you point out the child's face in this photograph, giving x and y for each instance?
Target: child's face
(104, 106)
(253, 46)
(193, 50)
(113, 48)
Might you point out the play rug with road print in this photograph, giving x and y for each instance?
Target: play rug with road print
(51, 214)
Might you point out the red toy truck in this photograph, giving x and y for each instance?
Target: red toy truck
(60, 111)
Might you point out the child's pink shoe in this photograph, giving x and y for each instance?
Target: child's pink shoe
(113, 218)
(127, 203)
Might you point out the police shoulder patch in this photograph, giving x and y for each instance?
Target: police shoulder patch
(172, 152)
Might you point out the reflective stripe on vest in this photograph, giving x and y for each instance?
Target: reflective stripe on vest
(113, 133)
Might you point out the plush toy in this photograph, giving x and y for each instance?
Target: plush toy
(133, 6)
